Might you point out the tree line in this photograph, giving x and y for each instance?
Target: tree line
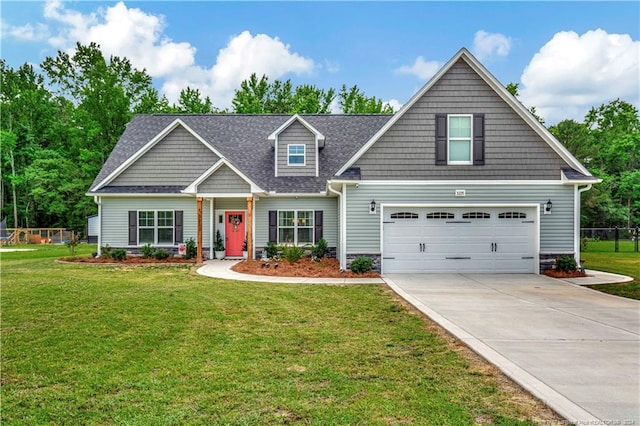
(59, 124)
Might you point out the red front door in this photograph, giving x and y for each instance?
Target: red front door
(234, 233)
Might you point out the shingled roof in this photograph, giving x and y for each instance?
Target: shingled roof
(242, 140)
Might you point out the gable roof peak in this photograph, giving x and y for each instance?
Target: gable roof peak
(296, 117)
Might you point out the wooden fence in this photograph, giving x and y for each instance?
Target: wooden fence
(37, 236)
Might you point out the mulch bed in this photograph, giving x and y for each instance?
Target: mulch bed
(554, 273)
(305, 267)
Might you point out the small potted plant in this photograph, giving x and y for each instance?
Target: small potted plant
(218, 247)
(244, 248)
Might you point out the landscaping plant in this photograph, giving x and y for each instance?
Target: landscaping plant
(361, 265)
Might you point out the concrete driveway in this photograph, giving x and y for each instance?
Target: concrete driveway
(576, 349)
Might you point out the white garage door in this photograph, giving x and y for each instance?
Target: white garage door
(471, 239)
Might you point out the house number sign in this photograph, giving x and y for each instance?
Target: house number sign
(460, 193)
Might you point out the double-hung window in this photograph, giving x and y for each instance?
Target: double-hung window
(156, 227)
(460, 144)
(295, 155)
(295, 227)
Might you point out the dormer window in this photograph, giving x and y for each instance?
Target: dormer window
(296, 155)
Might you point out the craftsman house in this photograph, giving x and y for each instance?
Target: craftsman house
(462, 179)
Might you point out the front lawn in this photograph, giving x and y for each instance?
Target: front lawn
(600, 255)
(90, 344)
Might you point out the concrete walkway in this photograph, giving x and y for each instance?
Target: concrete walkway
(222, 269)
(576, 349)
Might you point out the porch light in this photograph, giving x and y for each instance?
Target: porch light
(372, 207)
(547, 207)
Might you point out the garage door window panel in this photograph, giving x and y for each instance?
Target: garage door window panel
(404, 215)
(476, 215)
(512, 215)
(440, 215)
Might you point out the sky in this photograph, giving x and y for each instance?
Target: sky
(565, 56)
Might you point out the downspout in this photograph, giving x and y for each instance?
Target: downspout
(98, 201)
(577, 201)
(343, 231)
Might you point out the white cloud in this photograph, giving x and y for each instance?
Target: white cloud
(139, 36)
(25, 32)
(422, 69)
(394, 103)
(572, 73)
(487, 44)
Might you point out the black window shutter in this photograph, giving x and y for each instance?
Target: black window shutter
(478, 139)
(273, 226)
(318, 225)
(441, 139)
(177, 220)
(133, 227)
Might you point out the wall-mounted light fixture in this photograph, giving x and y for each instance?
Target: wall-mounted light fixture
(372, 207)
(547, 207)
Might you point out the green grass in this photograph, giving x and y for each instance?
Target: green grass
(88, 344)
(600, 255)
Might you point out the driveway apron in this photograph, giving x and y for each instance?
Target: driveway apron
(576, 349)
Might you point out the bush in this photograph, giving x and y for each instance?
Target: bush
(244, 244)
(191, 249)
(105, 251)
(160, 254)
(271, 250)
(219, 244)
(119, 254)
(320, 250)
(566, 263)
(72, 243)
(293, 253)
(147, 251)
(361, 265)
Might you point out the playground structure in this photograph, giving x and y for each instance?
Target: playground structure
(36, 236)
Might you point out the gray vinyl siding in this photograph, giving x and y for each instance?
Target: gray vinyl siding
(512, 149)
(297, 134)
(178, 159)
(224, 180)
(556, 229)
(115, 217)
(327, 204)
(230, 203)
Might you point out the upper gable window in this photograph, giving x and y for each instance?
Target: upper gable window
(459, 144)
(295, 155)
(459, 139)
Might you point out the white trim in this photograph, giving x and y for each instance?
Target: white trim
(143, 195)
(163, 133)
(304, 155)
(451, 182)
(193, 186)
(99, 202)
(343, 219)
(211, 236)
(341, 229)
(576, 220)
(295, 194)
(536, 254)
(516, 105)
(224, 194)
(470, 138)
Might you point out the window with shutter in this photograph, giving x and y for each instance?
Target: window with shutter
(459, 139)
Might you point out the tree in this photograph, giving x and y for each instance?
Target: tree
(353, 101)
(191, 102)
(252, 96)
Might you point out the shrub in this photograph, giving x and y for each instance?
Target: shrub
(244, 245)
(118, 254)
(191, 249)
(147, 251)
(271, 250)
(160, 254)
(361, 265)
(72, 243)
(105, 251)
(320, 250)
(219, 244)
(566, 263)
(293, 253)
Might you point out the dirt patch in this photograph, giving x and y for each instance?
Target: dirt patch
(130, 260)
(305, 267)
(554, 273)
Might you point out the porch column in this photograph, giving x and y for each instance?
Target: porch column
(249, 228)
(199, 231)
